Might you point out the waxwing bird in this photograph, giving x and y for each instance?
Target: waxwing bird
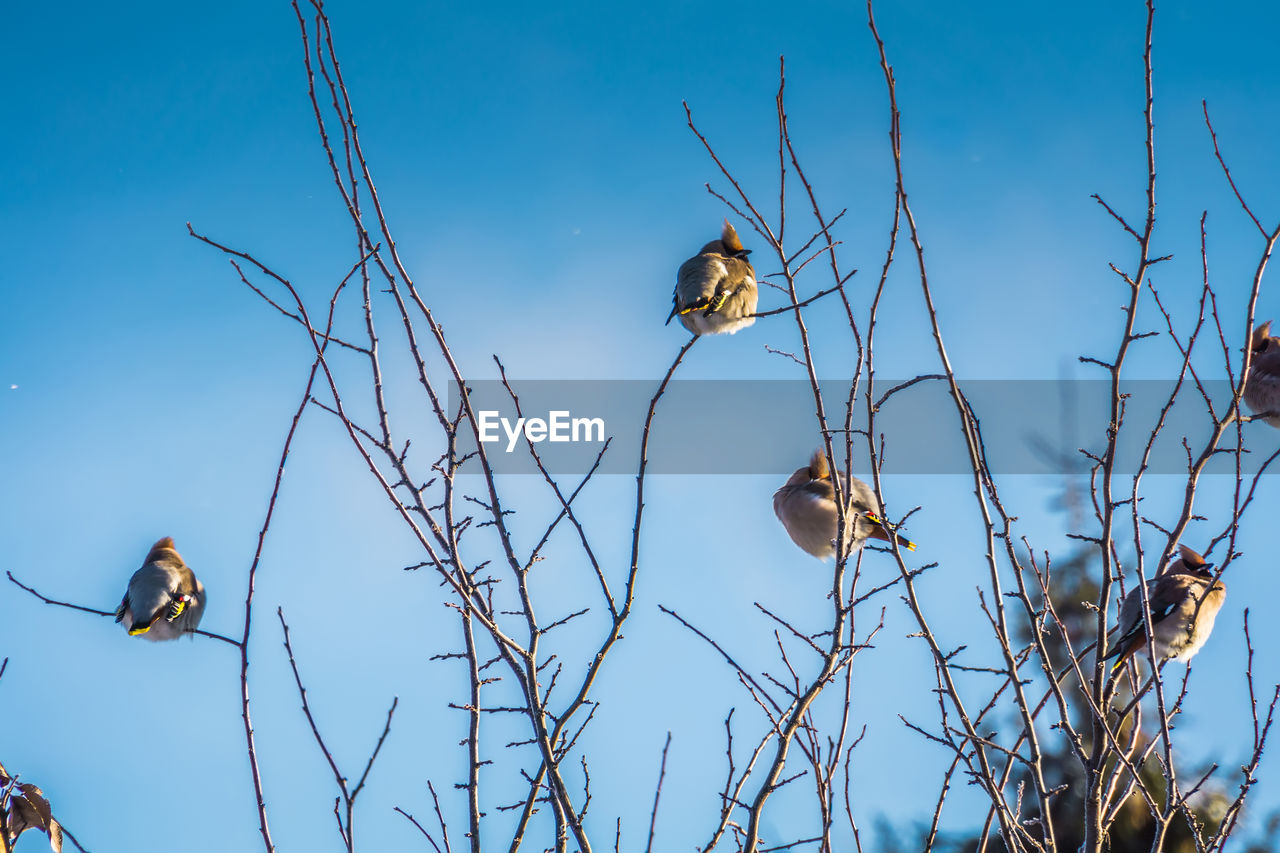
(164, 599)
(1184, 600)
(716, 288)
(806, 506)
(1262, 390)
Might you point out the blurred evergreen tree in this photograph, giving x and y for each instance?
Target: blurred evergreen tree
(1074, 588)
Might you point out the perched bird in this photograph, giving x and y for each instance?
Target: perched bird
(806, 506)
(1184, 600)
(1262, 390)
(164, 599)
(716, 288)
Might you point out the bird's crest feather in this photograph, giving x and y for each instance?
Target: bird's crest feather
(156, 552)
(730, 239)
(818, 467)
(1191, 559)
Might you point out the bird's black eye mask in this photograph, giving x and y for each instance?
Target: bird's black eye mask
(1205, 571)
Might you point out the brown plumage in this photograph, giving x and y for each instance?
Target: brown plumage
(1184, 600)
(806, 506)
(1262, 390)
(165, 599)
(716, 289)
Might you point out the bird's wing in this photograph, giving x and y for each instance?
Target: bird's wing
(1165, 596)
(699, 280)
(736, 294)
(1130, 625)
(196, 609)
(150, 593)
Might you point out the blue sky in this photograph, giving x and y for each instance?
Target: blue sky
(543, 187)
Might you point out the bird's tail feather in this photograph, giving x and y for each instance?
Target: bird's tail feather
(891, 529)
